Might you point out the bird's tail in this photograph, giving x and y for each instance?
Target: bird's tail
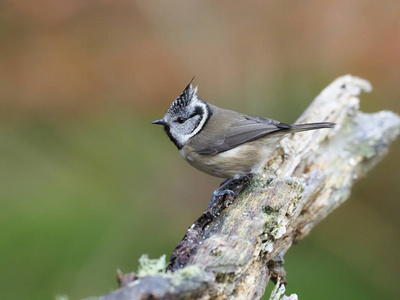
(311, 126)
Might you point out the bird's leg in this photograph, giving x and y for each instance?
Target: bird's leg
(226, 188)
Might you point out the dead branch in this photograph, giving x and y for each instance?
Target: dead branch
(234, 251)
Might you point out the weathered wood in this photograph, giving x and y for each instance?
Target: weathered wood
(234, 251)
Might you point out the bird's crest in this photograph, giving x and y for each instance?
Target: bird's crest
(185, 98)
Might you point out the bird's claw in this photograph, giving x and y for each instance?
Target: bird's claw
(226, 188)
(218, 193)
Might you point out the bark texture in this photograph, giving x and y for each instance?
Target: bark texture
(236, 248)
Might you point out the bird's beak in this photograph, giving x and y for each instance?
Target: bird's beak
(159, 122)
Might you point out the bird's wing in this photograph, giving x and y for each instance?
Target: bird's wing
(245, 130)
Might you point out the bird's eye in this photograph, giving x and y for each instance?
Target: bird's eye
(180, 120)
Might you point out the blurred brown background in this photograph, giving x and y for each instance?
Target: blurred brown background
(88, 184)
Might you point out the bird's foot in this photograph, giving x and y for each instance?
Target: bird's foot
(217, 196)
(227, 187)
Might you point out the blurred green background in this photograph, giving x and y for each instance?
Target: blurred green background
(87, 184)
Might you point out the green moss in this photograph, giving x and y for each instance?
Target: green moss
(269, 210)
(149, 266)
(185, 274)
(260, 181)
(224, 277)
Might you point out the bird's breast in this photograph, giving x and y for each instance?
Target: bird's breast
(238, 161)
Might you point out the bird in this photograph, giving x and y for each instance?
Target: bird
(221, 142)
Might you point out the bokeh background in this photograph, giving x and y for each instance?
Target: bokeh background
(87, 184)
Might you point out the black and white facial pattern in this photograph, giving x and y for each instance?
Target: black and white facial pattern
(186, 117)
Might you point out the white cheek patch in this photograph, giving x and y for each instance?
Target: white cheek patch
(199, 127)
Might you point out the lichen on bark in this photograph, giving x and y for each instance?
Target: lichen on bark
(239, 247)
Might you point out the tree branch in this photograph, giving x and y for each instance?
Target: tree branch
(237, 248)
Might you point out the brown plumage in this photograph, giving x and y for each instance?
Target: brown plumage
(221, 142)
